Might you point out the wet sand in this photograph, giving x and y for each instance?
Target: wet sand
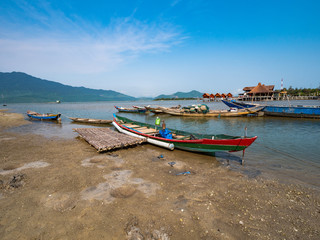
(52, 188)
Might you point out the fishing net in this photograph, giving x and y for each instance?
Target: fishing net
(199, 108)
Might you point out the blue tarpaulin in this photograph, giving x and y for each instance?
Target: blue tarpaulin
(165, 133)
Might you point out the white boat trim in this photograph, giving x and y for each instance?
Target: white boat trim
(169, 146)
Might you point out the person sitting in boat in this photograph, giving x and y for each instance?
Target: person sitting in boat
(164, 132)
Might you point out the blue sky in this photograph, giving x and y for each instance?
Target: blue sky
(147, 48)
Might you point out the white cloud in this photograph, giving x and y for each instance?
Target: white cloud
(54, 43)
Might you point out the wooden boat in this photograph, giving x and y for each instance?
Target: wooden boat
(298, 111)
(90, 120)
(239, 105)
(138, 107)
(131, 110)
(44, 116)
(160, 109)
(216, 113)
(156, 109)
(202, 143)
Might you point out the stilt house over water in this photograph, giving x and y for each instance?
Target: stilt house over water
(260, 92)
(206, 95)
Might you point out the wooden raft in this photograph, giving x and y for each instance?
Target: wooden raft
(105, 139)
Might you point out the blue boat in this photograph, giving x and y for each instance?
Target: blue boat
(298, 111)
(45, 116)
(238, 105)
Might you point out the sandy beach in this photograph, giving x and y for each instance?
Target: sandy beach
(52, 188)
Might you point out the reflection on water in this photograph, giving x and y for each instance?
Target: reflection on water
(286, 148)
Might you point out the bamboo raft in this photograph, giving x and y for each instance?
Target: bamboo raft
(105, 139)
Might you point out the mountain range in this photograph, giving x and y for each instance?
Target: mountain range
(192, 94)
(18, 87)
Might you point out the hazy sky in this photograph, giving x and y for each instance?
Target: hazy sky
(146, 48)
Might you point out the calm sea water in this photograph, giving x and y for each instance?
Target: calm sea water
(287, 149)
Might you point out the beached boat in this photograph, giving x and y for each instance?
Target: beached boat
(131, 110)
(298, 111)
(232, 112)
(43, 116)
(170, 138)
(90, 120)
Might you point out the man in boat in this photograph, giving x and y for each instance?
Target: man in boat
(164, 132)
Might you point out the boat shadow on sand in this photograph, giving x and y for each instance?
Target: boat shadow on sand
(236, 163)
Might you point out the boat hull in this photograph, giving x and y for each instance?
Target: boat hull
(89, 120)
(130, 110)
(238, 105)
(159, 109)
(154, 110)
(44, 117)
(290, 111)
(222, 113)
(230, 143)
(211, 147)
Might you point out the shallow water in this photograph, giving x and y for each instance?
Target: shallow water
(286, 149)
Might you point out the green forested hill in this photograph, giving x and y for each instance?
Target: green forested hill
(20, 87)
(192, 94)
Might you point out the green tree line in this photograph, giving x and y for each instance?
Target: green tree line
(302, 91)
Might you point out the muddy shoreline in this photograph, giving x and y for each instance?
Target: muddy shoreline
(63, 189)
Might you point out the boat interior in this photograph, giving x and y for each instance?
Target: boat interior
(153, 132)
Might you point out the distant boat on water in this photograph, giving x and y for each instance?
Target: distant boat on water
(203, 111)
(159, 109)
(239, 105)
(297, 111)
(131, 110)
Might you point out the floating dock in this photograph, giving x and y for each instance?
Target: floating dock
(105, 139)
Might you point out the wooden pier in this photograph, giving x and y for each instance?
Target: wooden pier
(105, 139)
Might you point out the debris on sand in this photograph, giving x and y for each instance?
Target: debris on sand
(134, 231)
(16, 181)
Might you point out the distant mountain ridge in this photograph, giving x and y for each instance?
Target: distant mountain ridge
(18, 87)
(191, 94)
